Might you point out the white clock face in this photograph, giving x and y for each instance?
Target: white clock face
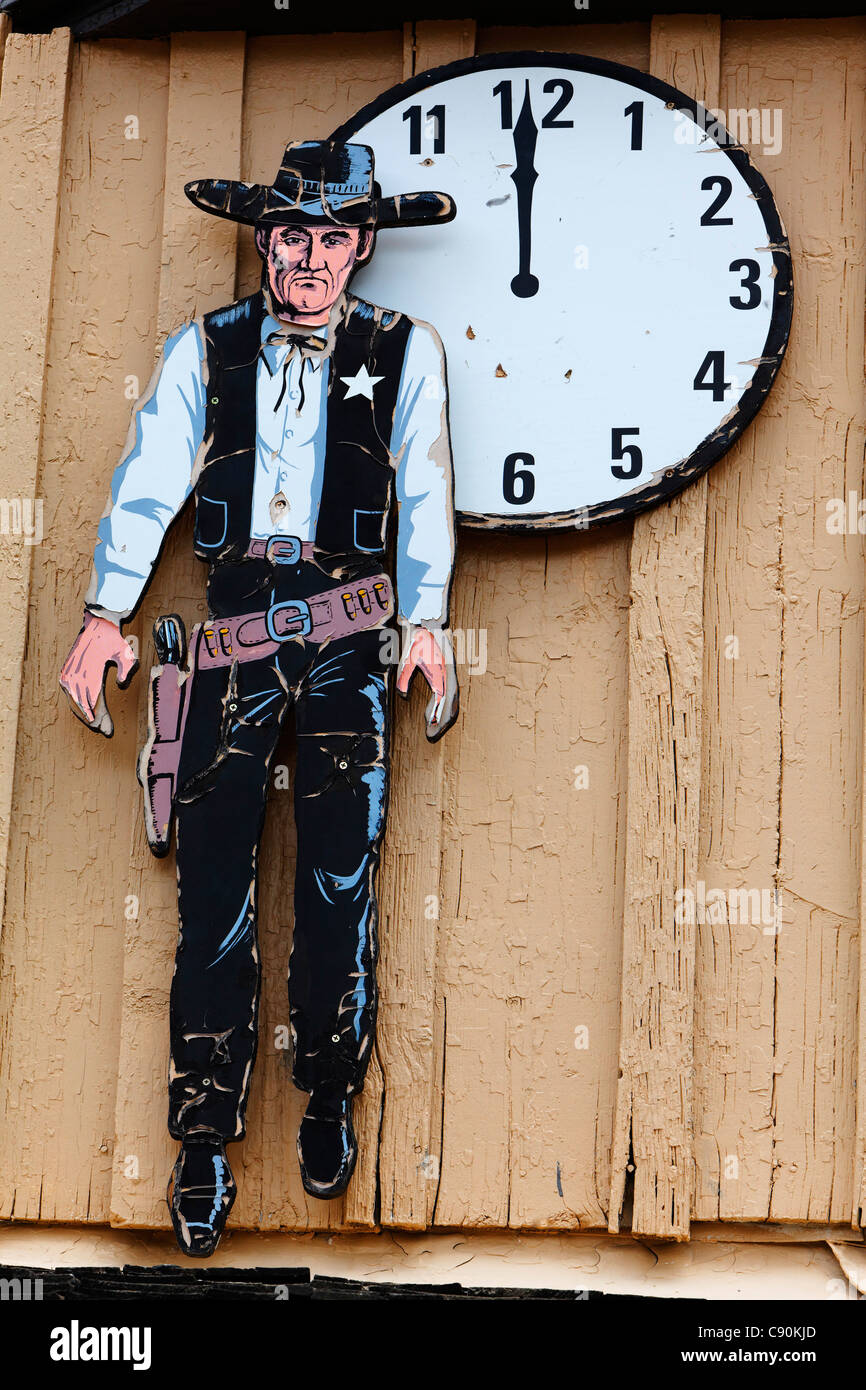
(614, 294)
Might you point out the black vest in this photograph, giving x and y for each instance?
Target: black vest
(355, 507)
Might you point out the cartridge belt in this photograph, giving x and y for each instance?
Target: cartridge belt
(338, 612)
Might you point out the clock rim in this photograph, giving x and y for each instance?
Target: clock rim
(714, 445)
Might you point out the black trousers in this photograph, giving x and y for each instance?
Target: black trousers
(340, 695)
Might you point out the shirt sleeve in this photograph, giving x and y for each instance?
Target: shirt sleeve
(424, 485)
(154, 478)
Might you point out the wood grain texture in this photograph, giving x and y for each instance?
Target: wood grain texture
(412, 891)
(739, 837)
(196, 274)
(75, 793)
(5, 30)
(815, 453)
(437, 41)
(528, 963)
(32, 110)
(653, 1135)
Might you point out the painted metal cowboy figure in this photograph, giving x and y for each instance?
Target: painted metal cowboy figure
(304, 421)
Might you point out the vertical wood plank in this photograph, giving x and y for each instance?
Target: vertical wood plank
(817, 456)
(205, 101)
(412, 908)
(439, 41)
(197, 273)
(529, 968)
(5, 29)
(741, 759)
(858, 1214)
(744, 615)
(653, 1135)
(32, 109)
(74, 791)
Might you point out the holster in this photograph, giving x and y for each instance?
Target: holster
(159, 760)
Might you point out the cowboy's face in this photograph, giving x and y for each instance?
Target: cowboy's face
(308, 267)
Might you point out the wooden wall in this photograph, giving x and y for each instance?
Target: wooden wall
(718, 1079)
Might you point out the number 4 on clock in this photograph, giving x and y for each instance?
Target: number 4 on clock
(710, 376)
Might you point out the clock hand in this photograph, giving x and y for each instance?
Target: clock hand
(525, 284)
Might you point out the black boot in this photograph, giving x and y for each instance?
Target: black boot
(327, 1149)
(200, 1195)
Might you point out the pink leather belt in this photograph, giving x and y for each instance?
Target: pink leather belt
(355, 607)
(281, 550)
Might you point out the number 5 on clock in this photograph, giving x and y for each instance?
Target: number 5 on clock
(619, 450)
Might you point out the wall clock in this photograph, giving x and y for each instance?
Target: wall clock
(614, 295)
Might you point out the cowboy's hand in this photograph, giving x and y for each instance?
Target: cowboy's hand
(98, 645)
(429, 651)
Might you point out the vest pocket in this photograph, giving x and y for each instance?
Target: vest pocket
(369, 530)
(211, 522)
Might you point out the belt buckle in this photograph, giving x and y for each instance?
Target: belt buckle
(305, 618)
(275, 554)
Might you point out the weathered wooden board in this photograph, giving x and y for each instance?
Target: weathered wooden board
(735, 964)
(5, 26)
(32, 110)
(816, 454)
(653, 1129)
(413, 907)
(75, 793)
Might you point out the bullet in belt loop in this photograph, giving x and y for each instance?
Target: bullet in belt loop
(362, 599)
(349, 606)
(226, 641)
(210, 639)
(378, 590)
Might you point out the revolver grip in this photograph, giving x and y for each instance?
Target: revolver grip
(169, 639)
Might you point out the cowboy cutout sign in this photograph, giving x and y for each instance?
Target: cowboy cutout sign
(308, 425)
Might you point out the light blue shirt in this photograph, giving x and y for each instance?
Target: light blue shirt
(165, 451)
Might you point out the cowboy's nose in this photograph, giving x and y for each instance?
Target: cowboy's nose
(315, 255)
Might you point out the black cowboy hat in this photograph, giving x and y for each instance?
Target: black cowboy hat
(320, 181)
